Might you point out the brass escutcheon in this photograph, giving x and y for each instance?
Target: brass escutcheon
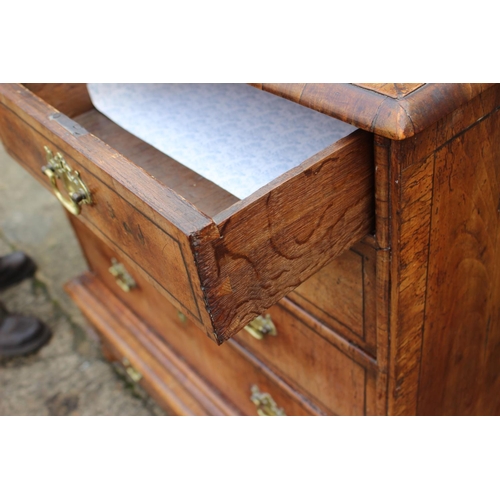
(266, 406)
(57, 169)
(122, 277)
(261, 327)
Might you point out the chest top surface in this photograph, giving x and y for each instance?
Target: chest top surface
(393, 110)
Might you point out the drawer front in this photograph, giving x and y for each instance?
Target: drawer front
(308, 361)
(231, 369)
(342, 295)
(147, 362)
(221, 270)
(113, 218)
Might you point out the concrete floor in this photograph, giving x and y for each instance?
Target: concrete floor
(69, 376)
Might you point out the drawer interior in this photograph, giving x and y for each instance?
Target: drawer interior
(235, 258)
(268, 128)
(207, 196)
(233, 134)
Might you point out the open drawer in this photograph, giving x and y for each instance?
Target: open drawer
(220, 260)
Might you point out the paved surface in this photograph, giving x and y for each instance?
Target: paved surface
(69, 376)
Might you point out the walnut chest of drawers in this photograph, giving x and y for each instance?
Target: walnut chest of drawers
(364, 281)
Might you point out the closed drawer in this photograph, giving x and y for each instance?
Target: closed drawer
(342, 295)
(333, 376)
(222, 261)
(321, 370)
(229, 370)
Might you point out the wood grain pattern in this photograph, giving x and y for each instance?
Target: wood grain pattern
(382, 322)
(189, 367)
(126, 336)
(29, 124)
(394, 90)
(413, 192)
(303, 348)
(114, 219)
(326, 203)
(342, 295)
(72, 99)
(263, 251)
(161, 204)
(416, 165)
(335, 294)
(460, 373)
(308, 361)
(431, 176)
(382, 158)
(382, 147)
(375, 112)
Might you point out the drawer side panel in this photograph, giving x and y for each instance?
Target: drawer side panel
(273, 241)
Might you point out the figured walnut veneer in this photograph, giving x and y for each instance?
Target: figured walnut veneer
(390, 238)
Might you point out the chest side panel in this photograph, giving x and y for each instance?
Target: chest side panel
(460, 367)
(421, 238)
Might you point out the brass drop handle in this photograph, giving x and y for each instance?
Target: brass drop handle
(57, 168)
(122, 277)
(266, 406)
(261, 327)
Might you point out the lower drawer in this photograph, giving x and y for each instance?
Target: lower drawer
(317, 370)
(342, 295)
(325, 372)
(229, 370)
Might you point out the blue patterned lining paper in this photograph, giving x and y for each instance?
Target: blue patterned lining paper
(239, 137)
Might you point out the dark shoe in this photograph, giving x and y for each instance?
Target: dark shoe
(14, 268)
(21, 335)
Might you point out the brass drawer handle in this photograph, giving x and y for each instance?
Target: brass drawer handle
(261, 327)
(57, 168)
(122, 277)
(266, 406)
